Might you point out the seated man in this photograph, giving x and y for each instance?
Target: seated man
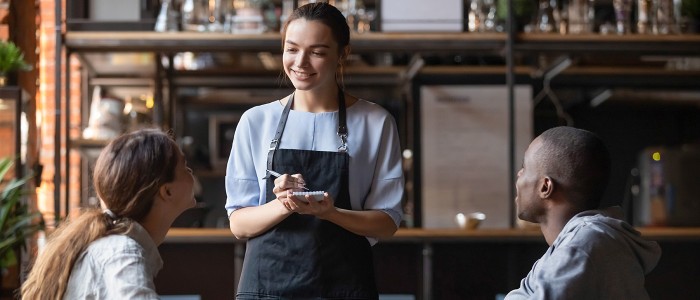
(592, 254)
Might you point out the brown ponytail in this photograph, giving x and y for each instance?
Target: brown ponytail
(51, 272)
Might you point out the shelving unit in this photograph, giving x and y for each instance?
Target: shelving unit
(93, 48)
(90, 47)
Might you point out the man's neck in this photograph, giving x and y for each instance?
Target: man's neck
(554, 223)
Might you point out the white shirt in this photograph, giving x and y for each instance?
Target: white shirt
(376, 178)
(116, 267)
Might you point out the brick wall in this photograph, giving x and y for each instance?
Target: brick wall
(45, 107)
(4, 26)
(6, 116)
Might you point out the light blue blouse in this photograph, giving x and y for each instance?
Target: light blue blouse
(116, 267)
(376, 179)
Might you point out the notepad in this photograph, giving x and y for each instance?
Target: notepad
(317, 195)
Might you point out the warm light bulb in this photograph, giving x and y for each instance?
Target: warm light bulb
(656, 156)
(149, 102)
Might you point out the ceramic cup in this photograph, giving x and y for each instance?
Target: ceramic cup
(469, 221)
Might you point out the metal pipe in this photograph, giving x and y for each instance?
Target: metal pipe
(67, 135)
(427, 271)
(57, 114)
(510, 82)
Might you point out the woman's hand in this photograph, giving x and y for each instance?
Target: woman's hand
(286, 184)
(310, 206)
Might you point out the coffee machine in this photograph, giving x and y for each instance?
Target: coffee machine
(669, 187)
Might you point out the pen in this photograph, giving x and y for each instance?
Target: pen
(277, 174)
(273, 173)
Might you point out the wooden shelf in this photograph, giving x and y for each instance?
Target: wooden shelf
(417, 235)
(633, 43)
(147, 41)
(628, 76)
(88, 143)
(628, 71)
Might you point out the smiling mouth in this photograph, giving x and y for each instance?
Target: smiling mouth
(302, 75)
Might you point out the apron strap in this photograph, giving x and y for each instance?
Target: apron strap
(342, 128)
(275, 143)
(342, 123)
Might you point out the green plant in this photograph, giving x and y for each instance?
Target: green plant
(11, 59)
(17, 220)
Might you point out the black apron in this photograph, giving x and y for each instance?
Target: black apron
(304, 257)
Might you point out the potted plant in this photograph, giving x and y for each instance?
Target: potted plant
(11, 59)
(17, 220)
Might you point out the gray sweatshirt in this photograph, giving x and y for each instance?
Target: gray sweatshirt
(595, 256)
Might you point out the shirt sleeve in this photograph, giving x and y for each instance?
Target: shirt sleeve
(386, 192)
(127, 277)
(525, 289)
(242, 189)
(567, 275)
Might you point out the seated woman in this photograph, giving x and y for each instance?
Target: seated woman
(143, 183)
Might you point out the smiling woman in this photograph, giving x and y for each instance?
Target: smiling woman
(331, 141)
(311, 56)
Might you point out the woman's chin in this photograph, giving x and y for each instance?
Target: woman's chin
(302, 85)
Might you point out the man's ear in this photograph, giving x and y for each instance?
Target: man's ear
(546, 187)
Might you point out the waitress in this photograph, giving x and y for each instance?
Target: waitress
(318, 138)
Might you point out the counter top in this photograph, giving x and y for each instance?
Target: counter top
(417, 235)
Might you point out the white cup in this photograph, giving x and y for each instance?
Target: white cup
(469, 221)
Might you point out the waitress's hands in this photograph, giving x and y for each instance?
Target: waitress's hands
(286, 184)
(312, 207)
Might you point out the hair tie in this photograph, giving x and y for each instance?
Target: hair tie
(111, 215)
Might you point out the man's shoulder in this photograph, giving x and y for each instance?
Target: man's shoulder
(593, 229)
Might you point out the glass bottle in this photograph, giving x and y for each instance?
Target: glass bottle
(545, 22)
(666, 21)
(248, 18)
(194, 15)
(644, 16)
(581, 16)
(167, 17)
(474, 15)
(622, 15)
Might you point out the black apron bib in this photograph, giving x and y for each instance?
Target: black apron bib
(304, 257)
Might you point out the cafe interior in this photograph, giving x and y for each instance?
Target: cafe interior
(469, 83)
